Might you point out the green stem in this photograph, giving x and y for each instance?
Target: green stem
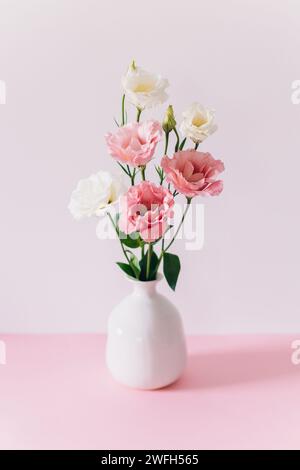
(197, 145)
(149, 253)
(163, 249)
(167, 143)
(138, 114)
(189, 200)
(123, 110)
(178, 140)
(143, 168)
(182, 144)
(162, 177)
(128, 172)
(132, 177)
(123, 168)
(117, 232)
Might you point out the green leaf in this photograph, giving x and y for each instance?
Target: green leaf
(134, 263)
(132, 240)
(153, 267)
(127, 269)
(171, 269)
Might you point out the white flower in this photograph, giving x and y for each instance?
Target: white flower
(94, 194)
(198, 123)
(144, 89)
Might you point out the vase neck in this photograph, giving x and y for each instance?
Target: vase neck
(145, 288)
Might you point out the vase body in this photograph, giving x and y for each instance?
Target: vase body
(145, 345)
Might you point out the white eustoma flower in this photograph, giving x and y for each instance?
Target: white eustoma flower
(198, 123)
(144, 89)
(94, 194)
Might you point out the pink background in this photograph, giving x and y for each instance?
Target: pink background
(62, 61)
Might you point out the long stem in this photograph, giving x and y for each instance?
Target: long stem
(167, 143)
(149, 252)
(182, 144)
(189, 200)
(138, 114)
(132, 177)
(143, 168)
(117, 232)
(123, 110)
(123, 168)
(128, 172)
(163, 249)
(178, 140)
(162, 177)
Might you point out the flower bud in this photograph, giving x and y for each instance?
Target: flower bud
(132, 66)
(169, 122)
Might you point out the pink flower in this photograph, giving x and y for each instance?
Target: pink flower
(194, 173)
(135, 143)
(147, 209)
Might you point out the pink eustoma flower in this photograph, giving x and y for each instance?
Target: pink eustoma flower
(135, 143)
(193, 173)
(147, 209)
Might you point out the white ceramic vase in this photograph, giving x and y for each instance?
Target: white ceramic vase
(146, 344)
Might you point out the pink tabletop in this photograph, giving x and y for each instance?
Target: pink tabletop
(238, 392)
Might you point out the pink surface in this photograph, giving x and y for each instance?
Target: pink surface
(238, 392)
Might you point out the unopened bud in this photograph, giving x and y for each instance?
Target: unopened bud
(169, 122)
(132, 66)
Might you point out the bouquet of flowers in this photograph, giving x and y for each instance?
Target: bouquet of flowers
(146, 209)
